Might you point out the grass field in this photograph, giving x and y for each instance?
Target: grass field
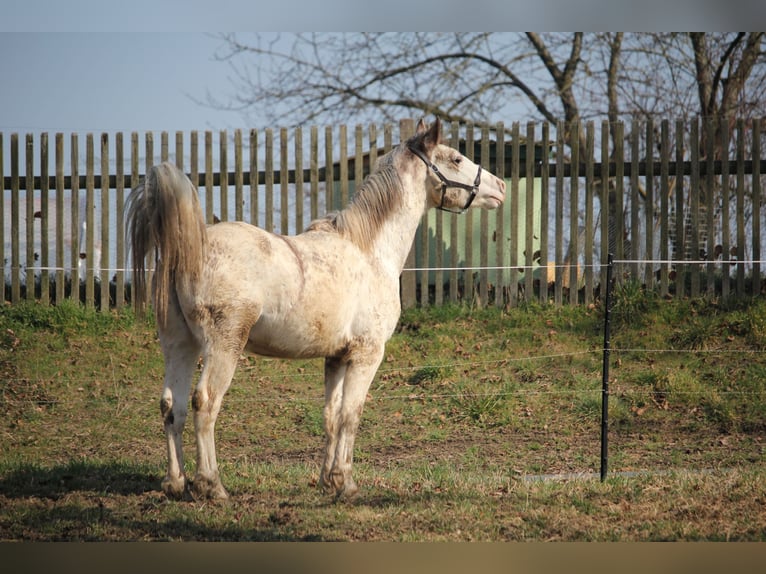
(480, 425)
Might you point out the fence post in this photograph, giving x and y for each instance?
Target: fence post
(605, 371)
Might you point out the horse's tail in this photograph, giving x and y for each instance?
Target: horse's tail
(164, 216)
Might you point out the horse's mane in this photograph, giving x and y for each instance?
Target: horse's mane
(379, 195)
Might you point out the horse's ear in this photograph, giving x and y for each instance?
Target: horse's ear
(434, 135)
(421, 128)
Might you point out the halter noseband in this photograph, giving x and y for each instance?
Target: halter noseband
(447, 183)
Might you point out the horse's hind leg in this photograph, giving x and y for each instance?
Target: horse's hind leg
(217, 372)
(334, 373)
(181, 352)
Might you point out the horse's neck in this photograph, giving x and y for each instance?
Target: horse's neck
(394, 241)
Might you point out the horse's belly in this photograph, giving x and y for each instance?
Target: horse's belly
(289, 341)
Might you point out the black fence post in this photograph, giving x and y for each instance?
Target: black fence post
(605, 371)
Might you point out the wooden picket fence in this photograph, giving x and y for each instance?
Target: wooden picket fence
(679, 221)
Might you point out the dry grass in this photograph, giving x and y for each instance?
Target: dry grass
(466, 410)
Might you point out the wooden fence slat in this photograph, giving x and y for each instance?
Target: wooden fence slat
(2, 212)
(529, 197)
(590, 137)
(605, 199)
(664, 203)
(149, 151)
(194, 159)
(373, 138)
(358, 155)
(694, 201)
(545, 279)
(284, 184)
(635, 228)
(60, 193)
(15, 227)
(558, 291)
(709, 189)
(757, 205)
(314, 171)
(254, 184)
(239, 178)
(342, 165)
(725, 214)
(29, 227)
(164, 147)
(388, 138)
(649, 222)
(500, 218)
(179, 153)
(619, 194)
(299, 192)
(90, 227)
(680, 223)
(132, 161)
(119, 153)
(74, 159)
(329, 183)
(574, 220)
(104, 259)
(740, 214)
(149, 163)
(45, 262)
(223, 170)
(269, 179)
(208, 151)
(484, 227)
(512, 198)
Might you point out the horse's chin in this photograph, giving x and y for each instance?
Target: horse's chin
(492, 202)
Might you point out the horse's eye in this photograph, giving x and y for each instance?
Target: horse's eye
(457, 160)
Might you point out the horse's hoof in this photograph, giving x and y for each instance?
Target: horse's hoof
(347, 492)
(204, 488)
(347, 495)
(326, 485)
(174, 488)
(336, 483)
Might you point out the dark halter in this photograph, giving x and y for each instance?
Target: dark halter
(447, 183)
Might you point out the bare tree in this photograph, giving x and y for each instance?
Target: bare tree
(482, 77)
(475, 76)
(717, 76)
(457, 76)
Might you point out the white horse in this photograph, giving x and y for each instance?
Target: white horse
(331, 291)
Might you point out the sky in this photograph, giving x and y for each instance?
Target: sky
(111, 81)
(107, 65)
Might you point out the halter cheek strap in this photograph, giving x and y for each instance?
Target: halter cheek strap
(447, 183)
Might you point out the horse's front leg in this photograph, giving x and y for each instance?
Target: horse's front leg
(348, 405)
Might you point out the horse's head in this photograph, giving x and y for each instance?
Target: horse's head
(454, 182)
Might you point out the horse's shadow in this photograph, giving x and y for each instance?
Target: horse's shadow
(55, 481)
(87, 517)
